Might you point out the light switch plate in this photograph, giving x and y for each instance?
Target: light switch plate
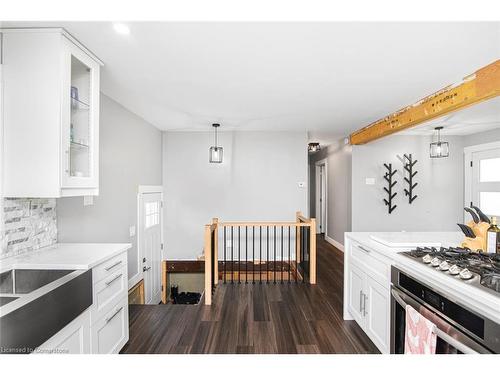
(88, 200)
(132, 231)
(370, 181)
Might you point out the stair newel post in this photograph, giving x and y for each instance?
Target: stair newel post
(208, 265)
(215, 221)
(312, 251)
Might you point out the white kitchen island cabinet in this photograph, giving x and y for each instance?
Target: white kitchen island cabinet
(50, 111)
(367, 291)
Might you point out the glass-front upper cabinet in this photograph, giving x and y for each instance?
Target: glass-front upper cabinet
(50, 114)
(80, 127)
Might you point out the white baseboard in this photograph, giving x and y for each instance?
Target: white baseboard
(337, 244)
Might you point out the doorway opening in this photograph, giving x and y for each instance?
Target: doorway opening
(321, 194)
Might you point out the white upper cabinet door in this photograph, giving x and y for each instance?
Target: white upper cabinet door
(80, 119)
(50, 114)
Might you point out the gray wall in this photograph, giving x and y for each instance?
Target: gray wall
(130, 155)
(439, 205)
(258, 181)
(339, 159)
(484, 137)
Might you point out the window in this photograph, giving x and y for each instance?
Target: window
(152, 213)
(482, 177)
(489, 170)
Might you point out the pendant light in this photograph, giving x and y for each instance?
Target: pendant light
(439, 149)
(313, 147)
(215, 152)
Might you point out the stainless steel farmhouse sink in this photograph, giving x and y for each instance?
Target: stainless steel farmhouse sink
(36, 304)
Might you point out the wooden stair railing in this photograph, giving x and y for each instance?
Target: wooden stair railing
(262, 250)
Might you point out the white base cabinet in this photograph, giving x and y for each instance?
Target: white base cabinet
(367, 292)
(72, 339)
(103, 327)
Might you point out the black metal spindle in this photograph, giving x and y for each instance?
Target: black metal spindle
(275, 254)
(224, 255)
(260, 255)
(246, 254)
(289, 252)
(297, 247)
(239, 254)
(305, 264)
(232, 255)
(281, 267)
(267, 257)
(253, 254)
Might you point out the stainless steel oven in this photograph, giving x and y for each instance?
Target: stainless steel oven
(458, 329)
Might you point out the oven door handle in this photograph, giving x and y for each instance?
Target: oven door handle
(441, 334)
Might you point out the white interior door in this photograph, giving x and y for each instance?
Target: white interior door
(151, 245)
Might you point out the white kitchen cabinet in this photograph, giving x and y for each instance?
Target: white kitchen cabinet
(50, 114)
(377, 313)
(356, 282)
(110, 333)
(72, 339)
(367, 292)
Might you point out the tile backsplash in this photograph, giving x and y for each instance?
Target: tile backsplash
(28, 224)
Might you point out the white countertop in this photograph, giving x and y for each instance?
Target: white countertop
(74, 256)
(414, 239)
(477, 299)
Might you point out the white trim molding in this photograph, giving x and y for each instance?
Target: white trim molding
(150, 189)
(332, 242)
(317, 193)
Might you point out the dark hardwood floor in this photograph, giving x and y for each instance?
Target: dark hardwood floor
(256, 318)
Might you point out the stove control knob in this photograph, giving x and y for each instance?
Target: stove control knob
(427, 259)
(465, 274)
(455, 270)
(435, 262)
(444, 266)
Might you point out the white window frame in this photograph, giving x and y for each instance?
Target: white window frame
(468, 155)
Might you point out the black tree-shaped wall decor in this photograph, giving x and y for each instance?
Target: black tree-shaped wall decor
(388, 177)
(409, 164)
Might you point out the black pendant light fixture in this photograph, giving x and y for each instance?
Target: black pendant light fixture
(439, 149)
(313, 147)
(215, 152)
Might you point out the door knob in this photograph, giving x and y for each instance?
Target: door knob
(144, 269)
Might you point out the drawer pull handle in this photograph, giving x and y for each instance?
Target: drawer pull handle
(362, 248)
(113, 266)
(112, 316)
(108, 283)
(360, 301)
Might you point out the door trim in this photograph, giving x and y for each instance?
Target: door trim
(318, 164)
(141, 190)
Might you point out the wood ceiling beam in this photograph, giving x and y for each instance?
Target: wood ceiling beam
(480, 86)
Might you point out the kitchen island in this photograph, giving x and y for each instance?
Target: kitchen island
(369, 263)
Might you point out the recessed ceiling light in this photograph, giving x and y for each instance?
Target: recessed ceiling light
(121, 28)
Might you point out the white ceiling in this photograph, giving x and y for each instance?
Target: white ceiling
(476, 119)
(328, 78)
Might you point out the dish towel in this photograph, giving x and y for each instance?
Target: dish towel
(420, 336)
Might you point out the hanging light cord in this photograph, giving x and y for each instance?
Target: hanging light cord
(215, 137)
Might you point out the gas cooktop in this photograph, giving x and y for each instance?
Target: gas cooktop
(481, 270)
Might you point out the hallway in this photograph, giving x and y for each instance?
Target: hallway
(247, 318)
